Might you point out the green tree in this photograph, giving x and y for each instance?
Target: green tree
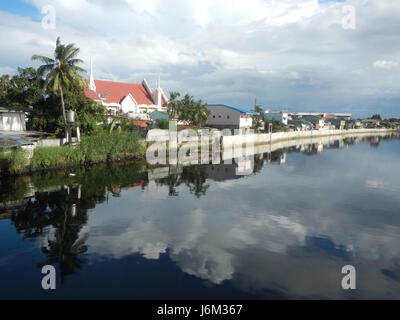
(200, 114)
(277, 126)
(5, 85)
(258, 120)
(22, 90)
(162, 124)
(187, 109)
(61, 73)
(172, 105)
(376, 117)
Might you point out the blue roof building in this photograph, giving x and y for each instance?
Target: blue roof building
(225, 116)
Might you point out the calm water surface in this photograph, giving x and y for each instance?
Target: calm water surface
(284, 232)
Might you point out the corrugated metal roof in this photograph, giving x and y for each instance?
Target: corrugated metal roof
(234, 108)
(13, 140)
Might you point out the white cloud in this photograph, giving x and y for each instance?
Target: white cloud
(384, 64)
(228, 51)
(7, 70)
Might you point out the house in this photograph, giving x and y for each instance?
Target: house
(141, 123)
(299, 125)
(125, 98)
(224, 116)
(12, 119)
(281, 116)
(222, 172)
(343, 116)
(337, 123)
(371, 123)
(317, 121)
(396, 125)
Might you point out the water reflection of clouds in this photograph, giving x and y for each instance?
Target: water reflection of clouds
(260, 234)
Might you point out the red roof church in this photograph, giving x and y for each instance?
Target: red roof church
(125, 97)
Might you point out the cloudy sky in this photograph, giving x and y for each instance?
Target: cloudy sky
(300, 55)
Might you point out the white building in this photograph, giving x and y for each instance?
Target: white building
(125, 97)
(224, 116)
(342, 116)
(281, 116)
(12, 119)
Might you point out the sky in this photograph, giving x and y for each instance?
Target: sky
(296, 55)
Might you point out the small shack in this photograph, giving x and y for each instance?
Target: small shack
(12, 119)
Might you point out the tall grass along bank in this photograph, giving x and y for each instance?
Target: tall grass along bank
(92, 149)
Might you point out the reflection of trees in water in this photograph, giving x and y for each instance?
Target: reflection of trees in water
(172, 181)
(63, 211)
(60, 213)
(258, 162)
(375, 141)
(194, 177)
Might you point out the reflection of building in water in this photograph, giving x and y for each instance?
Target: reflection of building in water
(164, 172)
(320, 147)
(282, 160)
(245, 166)
(221, 172)
(239, 167)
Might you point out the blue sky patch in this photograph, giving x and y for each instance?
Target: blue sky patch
(20, 8)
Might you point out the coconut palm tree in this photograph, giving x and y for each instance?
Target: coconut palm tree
(61, 73)
(172, 105)
(201, 113)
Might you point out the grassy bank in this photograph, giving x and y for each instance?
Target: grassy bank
(92, 149)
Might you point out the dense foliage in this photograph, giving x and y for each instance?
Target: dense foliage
(12, 160)
(187, 109)
(39, 93)
(61, 73)
(93, 149)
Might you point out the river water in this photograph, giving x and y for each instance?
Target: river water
(206, 232)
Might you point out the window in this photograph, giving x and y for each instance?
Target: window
(219, 116)
(227, 117)
(213, 117)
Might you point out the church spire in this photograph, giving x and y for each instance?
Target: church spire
(91, 84)
(158, 93)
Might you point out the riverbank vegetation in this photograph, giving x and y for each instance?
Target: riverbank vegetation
(102, 147)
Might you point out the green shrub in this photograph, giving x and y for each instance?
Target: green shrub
(162, 124)
(92, 149)
(47, 157)
(13, 160)
(104, 146)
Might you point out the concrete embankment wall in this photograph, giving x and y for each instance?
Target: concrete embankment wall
(45, 143)
(287, 143)
(266, 138)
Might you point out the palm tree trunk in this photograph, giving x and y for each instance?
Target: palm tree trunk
(67, 131)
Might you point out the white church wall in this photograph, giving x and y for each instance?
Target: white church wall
(129, 104)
